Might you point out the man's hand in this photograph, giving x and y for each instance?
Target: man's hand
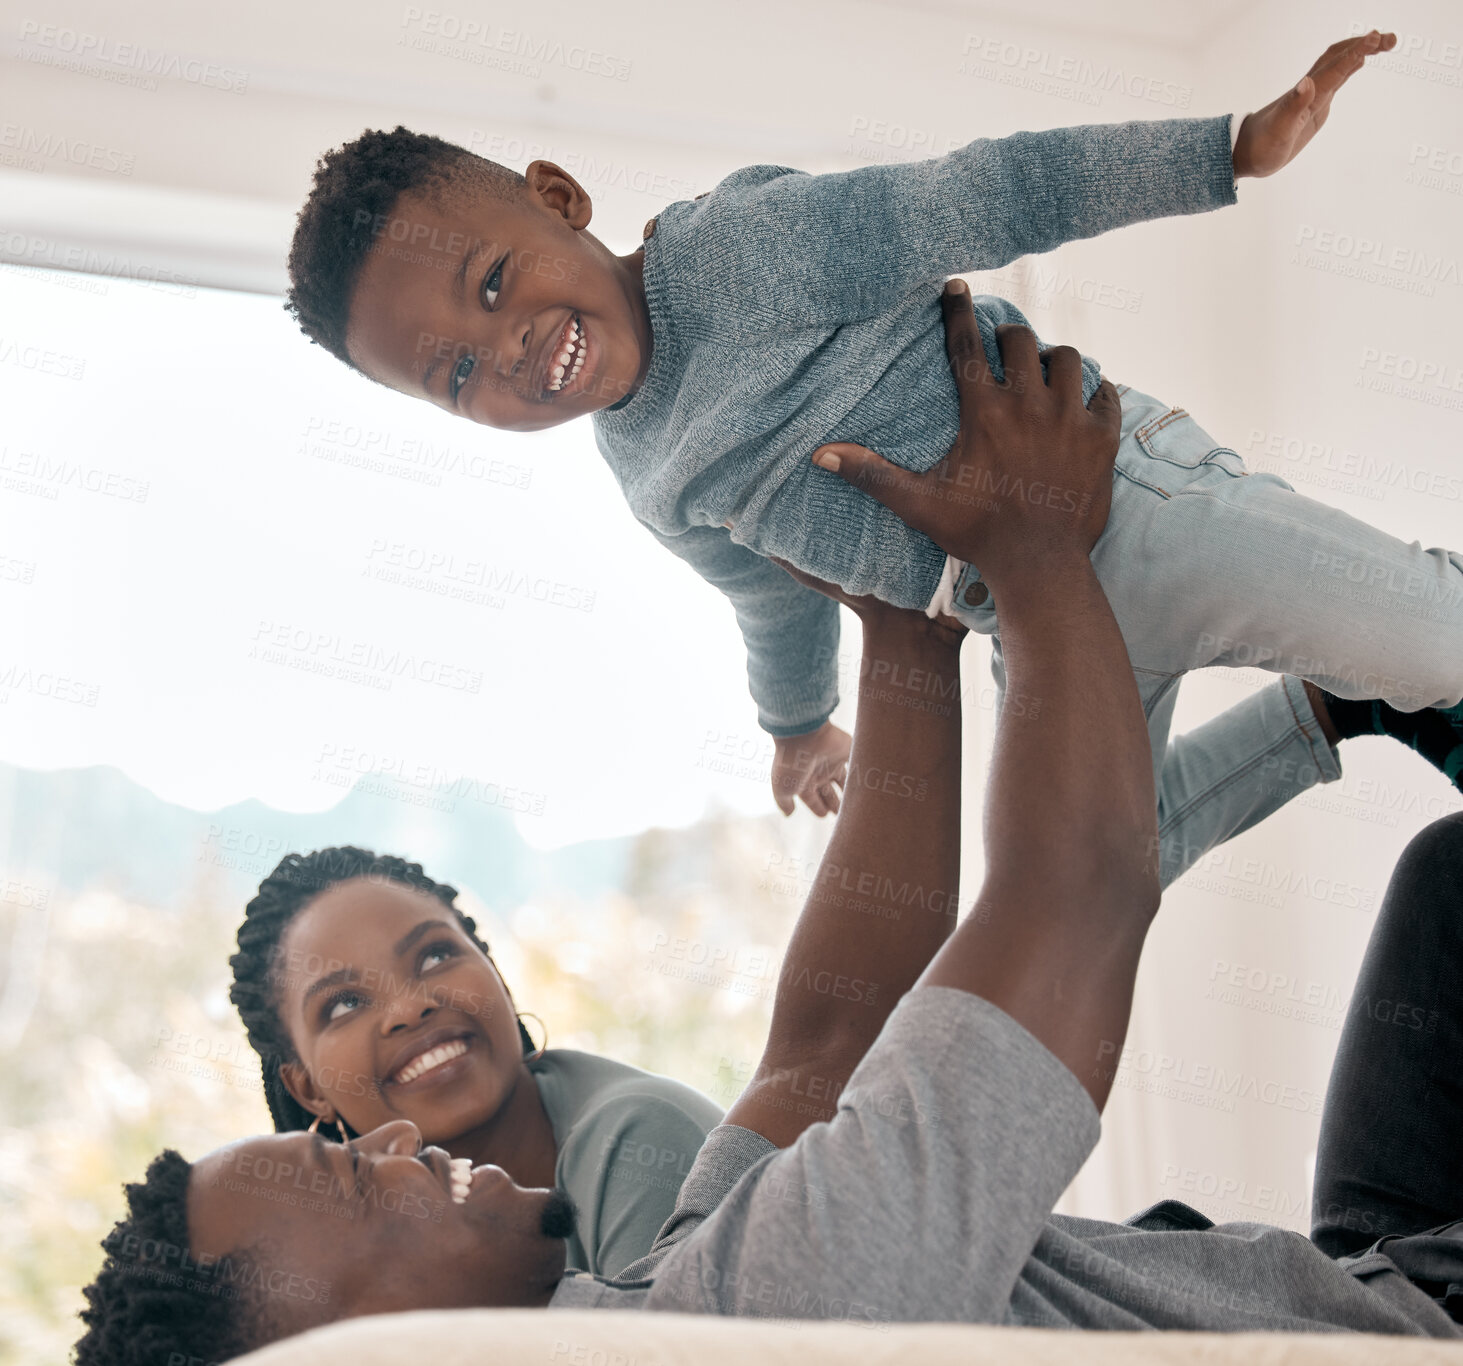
(1031, 472)
(875, 612)
(1271, 137)
(812, 766)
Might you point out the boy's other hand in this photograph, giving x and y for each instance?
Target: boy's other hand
(812, 766)
(1029, 480)
(1271, 137)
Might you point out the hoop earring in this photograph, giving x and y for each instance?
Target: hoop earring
(539, 1051)
(339, 1124)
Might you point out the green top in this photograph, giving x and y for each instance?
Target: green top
(626, 1140)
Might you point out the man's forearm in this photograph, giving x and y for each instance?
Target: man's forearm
(1071, 881)
(1071, 782)
(885, 896)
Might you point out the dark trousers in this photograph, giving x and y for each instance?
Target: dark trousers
(1391, 1149)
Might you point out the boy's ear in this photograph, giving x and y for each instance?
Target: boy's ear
(554, 187)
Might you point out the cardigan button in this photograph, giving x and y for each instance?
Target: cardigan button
(976, 594)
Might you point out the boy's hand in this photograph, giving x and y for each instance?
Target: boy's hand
(1030, 476)
(812, 766)
(1271, 137)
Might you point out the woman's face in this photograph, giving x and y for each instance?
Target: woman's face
(394, 1013)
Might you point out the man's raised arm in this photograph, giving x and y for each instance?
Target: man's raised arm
(1071, 841)
(884, 899)
(885, 895)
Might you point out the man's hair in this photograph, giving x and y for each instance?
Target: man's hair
(356, 187)
(151, 1303)
(294, 884)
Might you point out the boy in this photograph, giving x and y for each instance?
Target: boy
(782, 312)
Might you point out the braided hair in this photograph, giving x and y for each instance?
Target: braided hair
(293, 885)
(151, 1302)
(356, 187)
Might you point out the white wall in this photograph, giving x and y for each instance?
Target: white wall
(1271, 350)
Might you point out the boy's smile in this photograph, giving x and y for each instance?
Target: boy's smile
(505, 311)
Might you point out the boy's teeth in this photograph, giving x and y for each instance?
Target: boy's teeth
(573, 352)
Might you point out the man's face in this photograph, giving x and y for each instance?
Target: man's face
(331, 1231)
(474, 303)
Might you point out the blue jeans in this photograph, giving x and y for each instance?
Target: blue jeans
(1206, 564)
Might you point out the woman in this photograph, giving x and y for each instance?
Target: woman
(369, 997)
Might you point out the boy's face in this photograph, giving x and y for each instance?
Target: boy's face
(474, 303)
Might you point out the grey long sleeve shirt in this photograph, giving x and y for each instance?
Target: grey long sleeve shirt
(788, 310)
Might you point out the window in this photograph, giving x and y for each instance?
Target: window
(235, 568)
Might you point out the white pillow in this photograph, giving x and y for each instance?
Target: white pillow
(537, 1337)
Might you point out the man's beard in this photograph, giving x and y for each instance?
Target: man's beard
(559, 1217)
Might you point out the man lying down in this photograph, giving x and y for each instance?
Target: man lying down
(927, 1092)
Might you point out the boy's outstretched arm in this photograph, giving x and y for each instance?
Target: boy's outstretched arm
(883, 900)
(854, 244)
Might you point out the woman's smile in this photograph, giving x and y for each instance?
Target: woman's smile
(441, 1055)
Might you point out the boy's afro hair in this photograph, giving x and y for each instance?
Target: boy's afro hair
(356, 187)
(151, 1303)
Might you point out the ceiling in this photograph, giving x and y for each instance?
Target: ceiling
(1184, 25)
(180, 137)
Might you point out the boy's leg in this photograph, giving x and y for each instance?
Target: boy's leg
(1206, 564)
(1222, 777)
(1391, 1146)
(1228, 774)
